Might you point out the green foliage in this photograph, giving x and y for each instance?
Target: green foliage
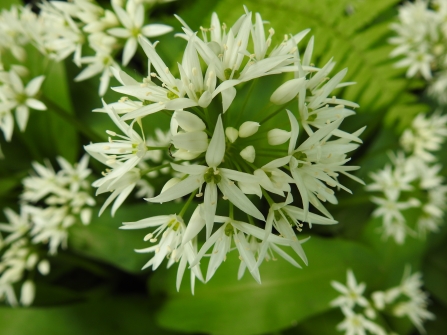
(286, 296)
(118, 315)
(354, 33)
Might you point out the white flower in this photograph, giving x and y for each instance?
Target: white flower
(391, 181)
(20, 98)
(101, 62)
(214, 177)
(169, 236)
(123, 154)
(133, 19)
(222, 241)
(319, 160)
(357, 324)
(426, 135)
(17, 226)
(352, 293)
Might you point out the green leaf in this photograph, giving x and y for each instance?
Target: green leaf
(435, 273)
(103, 240)
(392, 257)
(6, 4)
(124, 315)
(64, 135)
(286, 296)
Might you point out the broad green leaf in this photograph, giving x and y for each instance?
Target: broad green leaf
(435, 273)
(6, 4)
(286, 296)
(63, 133)
(123, 315)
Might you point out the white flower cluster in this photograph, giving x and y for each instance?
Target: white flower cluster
(421, 42)
(51, 203)
(62, 29)
(404, 300)
(226, 162)
(413, 183)
(18, 264)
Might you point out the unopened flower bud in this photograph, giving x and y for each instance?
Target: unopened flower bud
(287, 91)
(232, 134)
(44, 267)
(248, 128)
(248, 154)
(86, 216)
(277, 136)
(31, 261)
(27, 293)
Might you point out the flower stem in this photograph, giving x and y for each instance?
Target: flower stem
(188, 202)
(145, 172)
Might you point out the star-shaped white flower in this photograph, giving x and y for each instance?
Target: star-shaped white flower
(215, 178)
(133, 19)
(17, 96)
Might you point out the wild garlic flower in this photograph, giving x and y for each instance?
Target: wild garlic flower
(243, 191)
(170, 237)
(133, 19)
(405, 300)
(412, 181)
(425, 136)
(13, 33)
(66, 198)
(14, 96)
(421, 35)
(18, 264)
(61, 29)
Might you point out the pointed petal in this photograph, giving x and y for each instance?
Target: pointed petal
(209, 207)
(216, 148)
(239, 199)
(295, 129)
(179, 190)
(33, 86)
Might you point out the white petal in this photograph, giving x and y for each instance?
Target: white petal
(16, 82)
(35, 104)
(179, 190)
(239, 199)
(209, 207)
(189, 121)
(195, 225)
(129, 50)
(294, 132)
(216, 148)
(152, 30)
(33, 86)
(228, 96)
(22, 114)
